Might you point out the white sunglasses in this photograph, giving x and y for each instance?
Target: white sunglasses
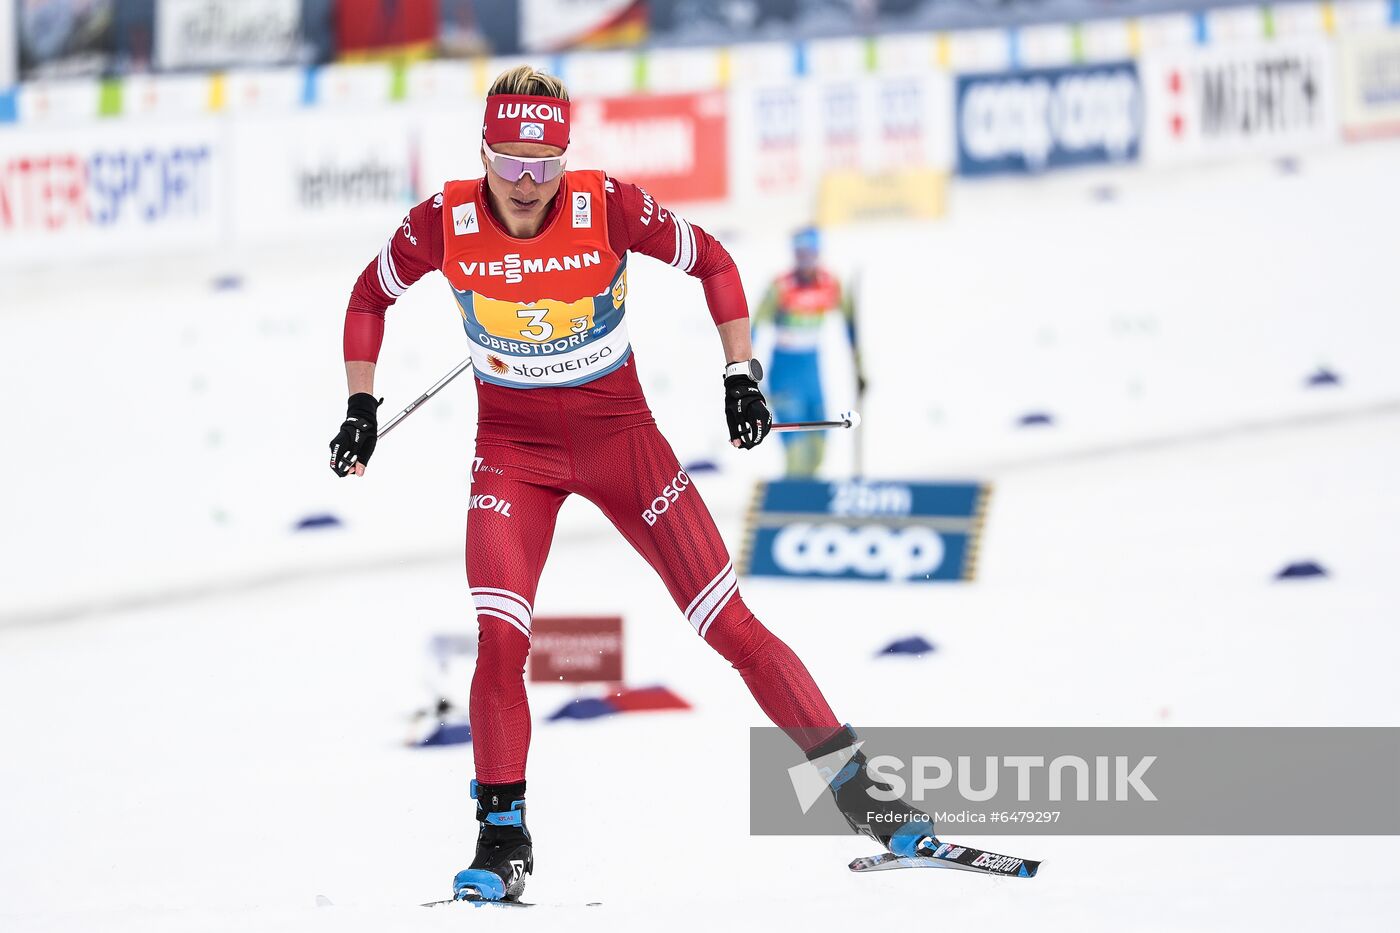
(513, 168)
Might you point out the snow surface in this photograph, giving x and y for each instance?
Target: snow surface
(216, 762)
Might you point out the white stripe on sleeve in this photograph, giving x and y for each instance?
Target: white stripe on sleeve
(388, 280)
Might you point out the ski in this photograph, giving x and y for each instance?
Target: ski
(482, 902)
(951, 855)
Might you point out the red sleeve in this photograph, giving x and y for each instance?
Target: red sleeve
(638, 223)
(412, 252)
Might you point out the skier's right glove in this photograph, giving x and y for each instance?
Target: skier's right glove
(355, 441)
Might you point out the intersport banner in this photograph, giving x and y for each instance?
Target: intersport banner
(110, 189)
(673, 145)
(1239, 98)
(221, 33)
(1048, 118)
(1370, 79)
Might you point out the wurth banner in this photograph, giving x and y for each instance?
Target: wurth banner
(366, 28)
(1240, 98)
(673, 145)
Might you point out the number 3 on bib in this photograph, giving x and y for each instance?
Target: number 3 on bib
(538, 329)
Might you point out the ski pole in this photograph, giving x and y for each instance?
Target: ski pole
(434, 389)
(849, 419)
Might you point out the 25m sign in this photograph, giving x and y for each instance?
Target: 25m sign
(886, 531)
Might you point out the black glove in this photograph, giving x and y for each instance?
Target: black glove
(355, 441)
(746, 411)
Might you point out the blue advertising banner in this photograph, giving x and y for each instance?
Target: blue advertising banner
(879, 530)
(1046, 118)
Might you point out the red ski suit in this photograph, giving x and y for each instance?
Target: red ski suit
(561, 412)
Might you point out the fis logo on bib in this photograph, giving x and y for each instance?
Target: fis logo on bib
(532, 131)
(464, 219)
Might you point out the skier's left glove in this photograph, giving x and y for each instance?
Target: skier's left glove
(354, 442)
(746, 410)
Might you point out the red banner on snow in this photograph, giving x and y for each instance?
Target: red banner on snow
(673, 145)
(584, 649)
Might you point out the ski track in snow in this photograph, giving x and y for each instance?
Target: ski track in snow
(216, 763)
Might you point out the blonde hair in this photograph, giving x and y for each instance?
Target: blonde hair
(524, 79)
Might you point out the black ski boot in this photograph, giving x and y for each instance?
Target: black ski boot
(504, 855)
(896, 825)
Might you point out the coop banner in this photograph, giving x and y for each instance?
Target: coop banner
(1048, 118)
(221, 33)
(1240, 98)
(1370, 79)
(555, 25)
(865, 530)
(673, 145)
(110, 189)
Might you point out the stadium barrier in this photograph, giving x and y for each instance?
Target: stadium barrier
(768, 133)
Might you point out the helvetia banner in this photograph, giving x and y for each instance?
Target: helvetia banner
(1370, 79)
(1239, 98)
(318, 172)
(220, 33)
(865, 530)
(1048, 118)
